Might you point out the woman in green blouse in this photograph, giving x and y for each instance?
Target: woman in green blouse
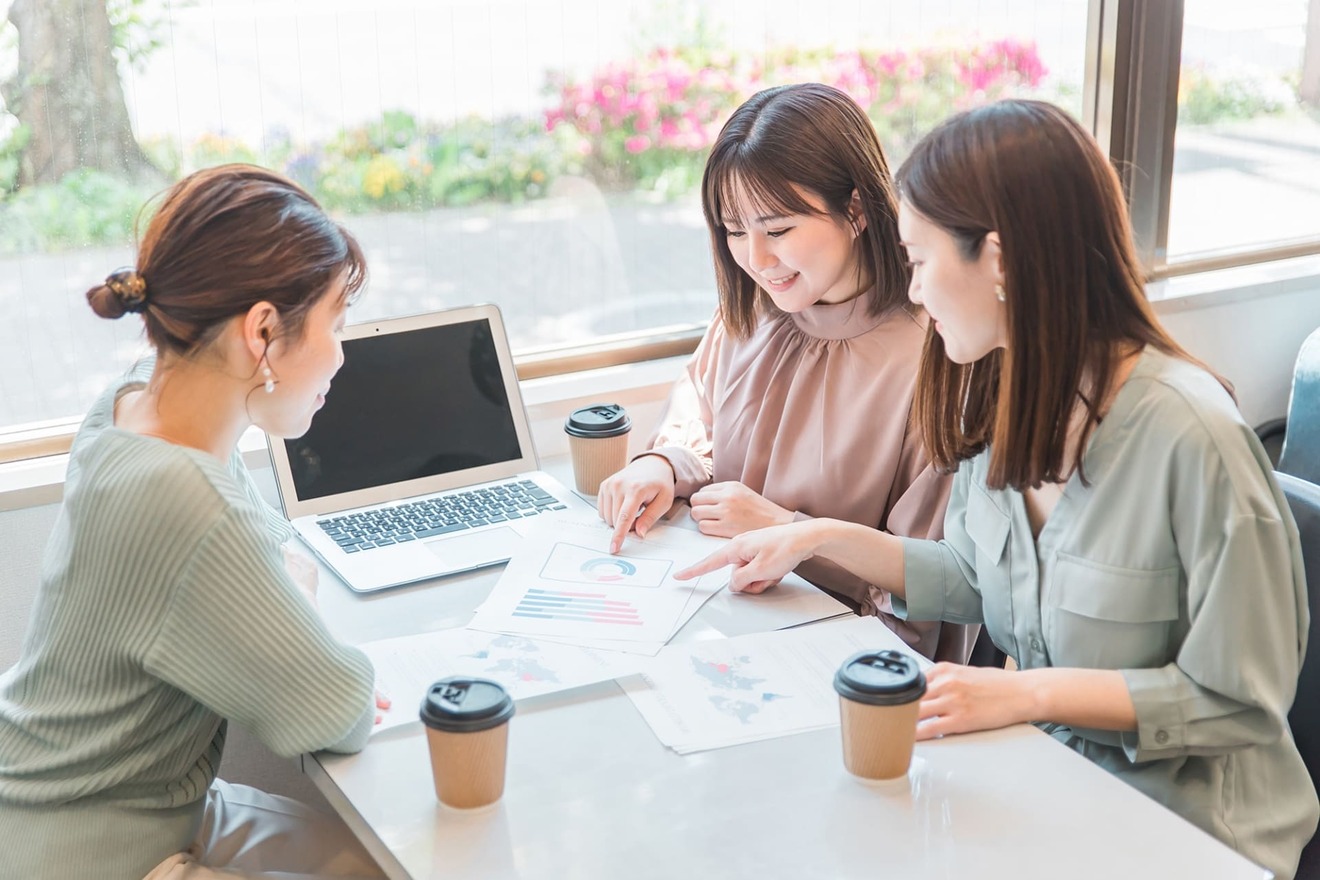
(1114, 523)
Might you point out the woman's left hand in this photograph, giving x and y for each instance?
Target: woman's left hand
(726, 510)
(961, 699)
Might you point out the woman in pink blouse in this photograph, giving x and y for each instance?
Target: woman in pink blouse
(796, 403)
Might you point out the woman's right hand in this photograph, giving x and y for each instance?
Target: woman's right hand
(636, 497)
(762, 558)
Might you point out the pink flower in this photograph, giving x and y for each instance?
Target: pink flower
(637, 144)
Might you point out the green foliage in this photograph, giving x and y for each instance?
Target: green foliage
(11, 154)
(1206, 97)
(138, 28)
(642, 125)
(85, 208)
(399, 164)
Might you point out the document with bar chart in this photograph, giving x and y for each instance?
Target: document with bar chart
(565, 584)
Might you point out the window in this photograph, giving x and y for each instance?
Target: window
(543, 156)
(1244, 167)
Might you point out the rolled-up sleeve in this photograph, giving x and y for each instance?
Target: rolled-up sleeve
(1235, 674)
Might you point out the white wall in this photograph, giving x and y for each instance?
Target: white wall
(1249, 330)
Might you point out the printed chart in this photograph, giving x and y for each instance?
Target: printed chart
(564, 584)
(576, 606)
(578, 565)
(709, 694)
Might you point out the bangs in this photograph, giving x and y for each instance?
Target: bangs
(740, 189)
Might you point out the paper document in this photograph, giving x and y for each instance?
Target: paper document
(407, 665)
(563, 583)
(710, 694)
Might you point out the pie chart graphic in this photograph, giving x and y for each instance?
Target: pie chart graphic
(606, 569)
(574, 564)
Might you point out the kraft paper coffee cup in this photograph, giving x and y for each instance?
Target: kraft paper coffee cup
(467, 730)
(598, 441)
(879, 694)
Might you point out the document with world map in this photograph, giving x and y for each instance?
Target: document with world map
(710, 694)
(407, 665)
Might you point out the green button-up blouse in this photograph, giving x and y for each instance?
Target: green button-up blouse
(1177, 562)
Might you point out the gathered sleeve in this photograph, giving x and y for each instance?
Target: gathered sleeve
(684, 436)
(240, 639)
(1235, 674)
(920, 496)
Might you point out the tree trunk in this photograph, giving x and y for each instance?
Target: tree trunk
(1309, 90)
(67, 92)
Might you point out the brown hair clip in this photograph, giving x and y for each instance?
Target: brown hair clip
(129, 288)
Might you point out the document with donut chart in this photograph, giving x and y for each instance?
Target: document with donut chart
(563, 583)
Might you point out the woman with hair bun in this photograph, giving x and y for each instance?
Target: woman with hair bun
(166, 608)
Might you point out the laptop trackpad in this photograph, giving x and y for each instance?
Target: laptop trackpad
(474, 549)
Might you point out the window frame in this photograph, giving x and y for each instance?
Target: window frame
(1134, 59)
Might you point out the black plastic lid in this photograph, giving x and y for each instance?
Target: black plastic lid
(462, 704)
(598, 420)
(880, 678)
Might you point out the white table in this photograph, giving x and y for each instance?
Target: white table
(591, 793)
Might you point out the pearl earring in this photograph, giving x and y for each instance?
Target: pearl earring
(1000, 293)
(270, 380)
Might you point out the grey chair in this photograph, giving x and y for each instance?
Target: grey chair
(1304, 719)
(1301, 440)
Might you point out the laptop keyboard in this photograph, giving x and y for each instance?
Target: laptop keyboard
(385, 526)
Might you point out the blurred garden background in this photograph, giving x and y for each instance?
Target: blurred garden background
(541, 155)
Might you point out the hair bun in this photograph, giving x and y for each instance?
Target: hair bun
(124, 291)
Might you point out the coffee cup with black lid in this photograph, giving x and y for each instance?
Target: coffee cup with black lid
(879, 695)
(598, 442)
(467, 732)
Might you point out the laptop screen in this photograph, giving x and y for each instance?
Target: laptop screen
(407, 405)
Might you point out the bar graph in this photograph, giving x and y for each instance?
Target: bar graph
(576, 605)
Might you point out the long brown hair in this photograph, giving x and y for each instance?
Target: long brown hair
(1074, 289)
(222, 240)
(813, 137)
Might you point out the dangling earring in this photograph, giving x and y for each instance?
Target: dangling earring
(1000, 294)
(270, 380)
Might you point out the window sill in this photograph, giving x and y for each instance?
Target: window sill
(1236, 284)
(640, 387)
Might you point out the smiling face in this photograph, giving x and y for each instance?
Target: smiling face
(302, 369)
(957, 293)
(798, 259)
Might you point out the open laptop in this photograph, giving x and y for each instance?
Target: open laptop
(421, 462)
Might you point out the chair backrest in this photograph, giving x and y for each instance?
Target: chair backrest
(1301, 442)
(1304, 719)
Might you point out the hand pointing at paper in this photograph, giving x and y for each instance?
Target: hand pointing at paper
(761, 558)
(636, 497)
